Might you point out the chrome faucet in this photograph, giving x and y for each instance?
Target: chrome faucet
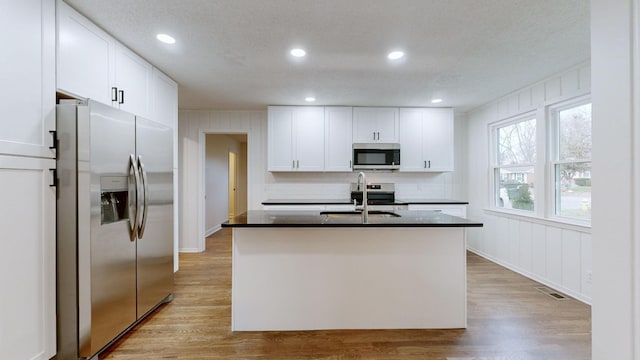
(364, 207)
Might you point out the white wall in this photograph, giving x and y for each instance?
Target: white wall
(217, 179)
(615, 51)
(263, 185)
(193, 124)
(553, 253)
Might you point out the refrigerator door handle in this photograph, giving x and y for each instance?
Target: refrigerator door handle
(145, 204)
(133, 215)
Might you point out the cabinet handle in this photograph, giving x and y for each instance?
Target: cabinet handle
(54, 139)
(293, 164)
(114, 94)
(350, 162)
(374, 135)
(54, 177)
(378, 135)
(298, 164)
(121, 92)
(429, 164)
(425, 164)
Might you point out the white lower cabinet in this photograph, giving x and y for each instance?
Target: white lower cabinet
(27, 259)
(458, 210)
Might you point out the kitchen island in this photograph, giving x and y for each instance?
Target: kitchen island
(306, 270)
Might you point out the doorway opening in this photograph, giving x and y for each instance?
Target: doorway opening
(225, 179)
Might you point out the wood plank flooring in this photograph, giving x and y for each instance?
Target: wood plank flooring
(507, 319)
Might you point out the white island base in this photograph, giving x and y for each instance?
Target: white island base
(349, 278)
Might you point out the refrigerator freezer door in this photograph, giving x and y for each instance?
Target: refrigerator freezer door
(108, 263)
(154, 146)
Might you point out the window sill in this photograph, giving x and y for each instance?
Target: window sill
(568, 224)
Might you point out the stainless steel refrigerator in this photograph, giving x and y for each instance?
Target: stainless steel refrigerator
(115, 223)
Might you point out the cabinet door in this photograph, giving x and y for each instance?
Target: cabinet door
(365, 124)
(27, 259)
(164, 99)
(27, 74)
(85, 57)
(411, 142)
(308, 138)
(375, 124)
(438, 139)
(338, 147)
(280, 137)
(133, 82)
(387, 125)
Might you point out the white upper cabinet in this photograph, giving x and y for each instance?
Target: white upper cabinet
(132, 82)
(296, 138)
(426, 139)
(86, 57)
(164, 107)
(92, 64)
(375, 124)
(27, 73)
(338, 127)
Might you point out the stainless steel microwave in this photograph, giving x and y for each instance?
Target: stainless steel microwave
(376, 156)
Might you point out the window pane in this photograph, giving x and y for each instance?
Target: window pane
(515, 188)
(517, 143)
(574, 126)
(573, 190)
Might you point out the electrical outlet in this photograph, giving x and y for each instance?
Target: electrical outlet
(588, 277)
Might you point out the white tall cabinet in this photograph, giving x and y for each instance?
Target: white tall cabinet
(295, 138)
(338, 129)
(27, 209)
(164, 108)
(426, 139)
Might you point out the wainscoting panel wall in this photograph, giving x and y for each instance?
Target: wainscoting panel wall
(554, 253)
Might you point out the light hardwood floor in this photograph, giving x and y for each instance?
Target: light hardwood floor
(507, 319)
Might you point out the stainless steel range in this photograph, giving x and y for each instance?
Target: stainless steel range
(380, 196)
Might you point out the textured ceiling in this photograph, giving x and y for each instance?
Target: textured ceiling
(233, 54)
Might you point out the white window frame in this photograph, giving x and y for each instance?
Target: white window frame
(553, 152)
(494, 162)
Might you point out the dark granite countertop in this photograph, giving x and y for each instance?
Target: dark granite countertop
(308, 218)
(349, 202)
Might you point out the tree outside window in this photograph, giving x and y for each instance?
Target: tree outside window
(514, 172)
(572, 165)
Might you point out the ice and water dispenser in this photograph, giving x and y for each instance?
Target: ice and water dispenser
(114, 196)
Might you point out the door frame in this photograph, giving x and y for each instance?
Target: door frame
(202, 149)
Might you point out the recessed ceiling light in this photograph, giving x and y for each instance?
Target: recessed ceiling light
(436, 101)
(298, 52)
(166, 38)
(395, 55)
(309, 99)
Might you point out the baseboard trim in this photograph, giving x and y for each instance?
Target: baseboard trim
(212, 230)
(544, 281)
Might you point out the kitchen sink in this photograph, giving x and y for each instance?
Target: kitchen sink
(348, 214)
